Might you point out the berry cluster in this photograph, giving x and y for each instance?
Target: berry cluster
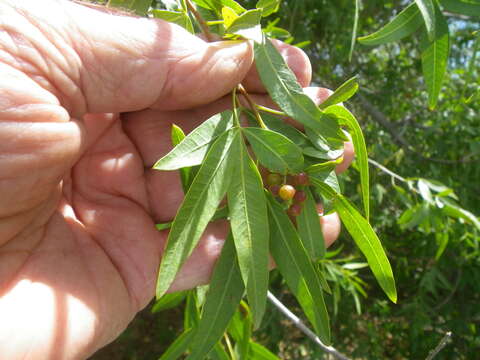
(289, 189)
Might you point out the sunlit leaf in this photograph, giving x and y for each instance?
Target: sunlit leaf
(259, 352)
(343, 93)
(200, 203)
(427, 9)
(404, 24)
(297, 269)
(228, 15)
(177, 136)
(247, 25)
(434, 58)
(268, 6)
(347, 119)
(365, 238)
(464, 7)
(284, 89)
(354, 30)
(217, 5)
(224, 295)
(275, 151)
(192, 149)
(249, 222)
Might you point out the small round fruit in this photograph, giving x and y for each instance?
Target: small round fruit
(295, 210)
(300, 196)
(301, 179)
(287, 192)
(274, 189)
(274, 179)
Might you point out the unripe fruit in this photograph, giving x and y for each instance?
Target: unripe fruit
(274, 189)
(295, 210)
(300, 196)
(301, 179)
(274, 179)
(287, 192)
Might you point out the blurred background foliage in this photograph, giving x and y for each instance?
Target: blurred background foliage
(424, 216)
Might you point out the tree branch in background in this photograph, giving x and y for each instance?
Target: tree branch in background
(300, 325)
(440, 346)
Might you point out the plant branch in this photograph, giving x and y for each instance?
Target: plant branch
(299, 324)
(443, 342)
(203, 24)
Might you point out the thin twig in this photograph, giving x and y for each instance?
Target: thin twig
(299, 324)
(203, 24)
(387, 171)
(440, 346)
(252, 105)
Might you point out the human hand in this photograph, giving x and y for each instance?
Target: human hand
(79, 251)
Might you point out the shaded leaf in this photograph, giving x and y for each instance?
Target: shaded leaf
(365, 238)
(169, 301)
(343, 93)
(192, 149)
(278, 125)
(284, 89)
(347, 119)
(434, 59)
(325, 175)
(275, 151)
(463, 7)
(404, 24)
(179, 346)
(309, 229)
(140, 7)
(259, 352)
(354, 30)
(456, 211)
(249, 222)
(223, 297)
(298, 271)
(200, 203)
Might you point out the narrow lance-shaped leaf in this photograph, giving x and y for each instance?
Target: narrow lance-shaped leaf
(275, 151)
(309, 228)
(427, 9)
(365, 238)
(284, 89)
(200, 203)
(346, 118)
(177, 137)
(240, 328)
(435, 57)
(464, 7)
(192, 149)
(223, 297)
(179, 346)
(169, 301)
(354, 30)
(249, 222)
(343, 93)
(298, 271)
(403, 25)
(259, 352)
(247, 25)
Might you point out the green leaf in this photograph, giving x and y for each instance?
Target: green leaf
(354, 30)
(456, 211)
(275, 151)
(309, 229)
(259, 352)
(192, 149)
(365, 238)
(434, 59)
(468, 8)
(427, 9)
(223, 297)
(298, 271)
(140, 7)
(247, 25)
(280, 126)
(249, 222)
(200, 203)
(347, 119)
(228, 15)
(179, 346)
(177, 136)
(240, 328)
(169, 301)
(218, 352)
(192, 314)
(343, 93)
(217, 5)
(325, 175)
(322, 154)
(284, 89)
(268, 6)
(176, 17)
(403, 25)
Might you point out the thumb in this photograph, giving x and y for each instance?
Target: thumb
(126, 63)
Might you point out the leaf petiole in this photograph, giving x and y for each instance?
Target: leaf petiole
(270, 110)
